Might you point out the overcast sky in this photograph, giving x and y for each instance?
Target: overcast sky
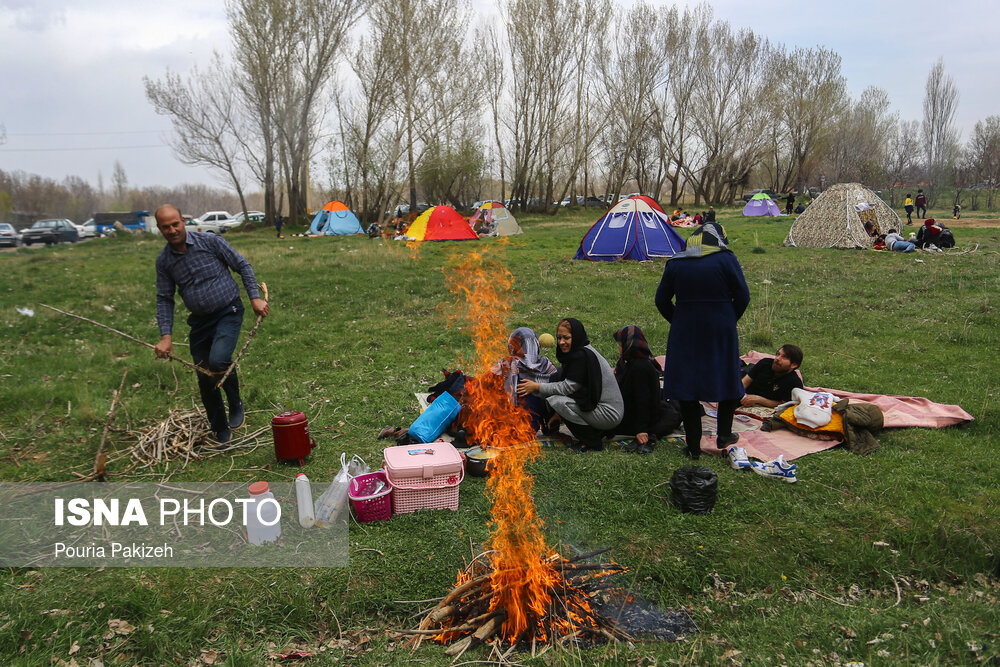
(72, 100)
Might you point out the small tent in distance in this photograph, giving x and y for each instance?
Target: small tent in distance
(440, 223)
(632, 229)
(494, 219)
(836, 219)
(335, 219)
(761, 205)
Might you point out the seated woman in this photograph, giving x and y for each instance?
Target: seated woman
(931, 234)
(525, 363)
(638, 374)
(584, 394)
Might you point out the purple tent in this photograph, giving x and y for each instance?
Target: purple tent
(759, 205)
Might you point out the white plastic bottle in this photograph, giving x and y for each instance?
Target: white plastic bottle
(304, 500)
(263, 515)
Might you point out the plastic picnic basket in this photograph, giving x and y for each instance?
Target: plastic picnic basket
(376, 507)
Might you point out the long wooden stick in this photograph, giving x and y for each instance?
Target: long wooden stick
(101, 456)
(263, 288)
(131, 338)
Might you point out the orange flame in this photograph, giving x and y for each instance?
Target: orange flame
(522, 572)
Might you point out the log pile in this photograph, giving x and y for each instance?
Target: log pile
(465, 618)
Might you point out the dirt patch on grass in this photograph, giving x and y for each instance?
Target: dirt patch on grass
(970, 223)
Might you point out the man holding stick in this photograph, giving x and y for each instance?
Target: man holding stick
(197, 264)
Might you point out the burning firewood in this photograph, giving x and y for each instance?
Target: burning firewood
(466, 616)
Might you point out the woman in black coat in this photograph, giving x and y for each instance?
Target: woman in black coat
(647, 416)
(703, 294)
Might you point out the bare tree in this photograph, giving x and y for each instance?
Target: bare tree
(903, 149)
(632, 70)
(812, 92)
(859, 147)
(984, 156)
(201, 109)
(734, 88)
(938, 127)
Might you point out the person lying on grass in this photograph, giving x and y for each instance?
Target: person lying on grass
(769, 382)
(646, 415)
(526, 363)
(584, 394)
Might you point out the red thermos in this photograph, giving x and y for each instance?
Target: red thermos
(291, 437)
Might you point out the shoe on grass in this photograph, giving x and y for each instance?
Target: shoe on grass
(223, 437)
(776, 468)
(738, 459)
(237, 416)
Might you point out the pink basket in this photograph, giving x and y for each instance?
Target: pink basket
(371, 508)
(439, 492)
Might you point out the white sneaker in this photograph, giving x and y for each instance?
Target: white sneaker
(776, 468)
(738, 459)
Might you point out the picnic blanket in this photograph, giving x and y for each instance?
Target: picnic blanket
(898, 412)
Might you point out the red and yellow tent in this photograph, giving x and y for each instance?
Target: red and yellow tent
(440, 223)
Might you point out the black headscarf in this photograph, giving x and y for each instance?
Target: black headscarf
(581, 366)
(634, 346)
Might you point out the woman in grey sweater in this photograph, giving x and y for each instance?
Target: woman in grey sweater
(585, 394)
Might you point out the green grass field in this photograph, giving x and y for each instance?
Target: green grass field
(887, 558)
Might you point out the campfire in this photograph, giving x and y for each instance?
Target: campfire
(525, 591)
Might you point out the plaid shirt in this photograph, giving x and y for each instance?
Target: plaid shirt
(201, 275)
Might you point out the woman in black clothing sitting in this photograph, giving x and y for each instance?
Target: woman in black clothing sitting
(647, 417)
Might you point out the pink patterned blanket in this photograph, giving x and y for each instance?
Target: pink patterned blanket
(899, 411)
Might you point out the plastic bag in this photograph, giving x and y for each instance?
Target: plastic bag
(435, 418)
(693, 489)
(329, 508)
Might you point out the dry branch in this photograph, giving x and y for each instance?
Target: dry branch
(246, 343)
(101, 457)
(131, 338)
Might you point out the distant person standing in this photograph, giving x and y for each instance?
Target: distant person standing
(789, 203)
(197, 265)
(908, 205)
(921, 204)
(703, 294)
(278, 222)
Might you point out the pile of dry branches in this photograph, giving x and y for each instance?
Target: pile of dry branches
(465, 615)
(185, 435)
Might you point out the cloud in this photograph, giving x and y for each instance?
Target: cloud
(33, 16)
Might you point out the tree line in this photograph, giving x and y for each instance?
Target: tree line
(410, 100)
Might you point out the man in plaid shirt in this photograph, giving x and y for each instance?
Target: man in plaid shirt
(198, 265)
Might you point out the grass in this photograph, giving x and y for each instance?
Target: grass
(778, 574)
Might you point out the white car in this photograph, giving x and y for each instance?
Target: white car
(212, 227)
(9, 235)
(218, 217)
(89, 229)
(252, 216)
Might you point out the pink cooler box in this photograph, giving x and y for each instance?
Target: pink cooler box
(423, 476)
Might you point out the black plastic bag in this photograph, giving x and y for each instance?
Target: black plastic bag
(693, 489)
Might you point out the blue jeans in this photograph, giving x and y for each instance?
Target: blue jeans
(921, 212)
(902, 246)
(213, 340)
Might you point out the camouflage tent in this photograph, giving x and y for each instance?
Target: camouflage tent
(836, 219)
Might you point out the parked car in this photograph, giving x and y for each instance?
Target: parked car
(212, 227)
(9, 235)
(252, 216)
(770, 193)
(90, 229)
(403, 210)
(50, 232)
(220, 217)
